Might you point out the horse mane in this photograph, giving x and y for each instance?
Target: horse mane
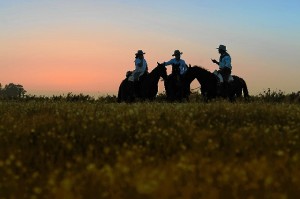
(201, 68)
(153, 71)
(202, 74)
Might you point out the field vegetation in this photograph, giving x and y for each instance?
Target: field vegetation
(78, 147)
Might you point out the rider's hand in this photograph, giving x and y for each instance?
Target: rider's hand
(214, 61)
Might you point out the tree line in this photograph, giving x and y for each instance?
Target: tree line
(12, 91)
(17, 91)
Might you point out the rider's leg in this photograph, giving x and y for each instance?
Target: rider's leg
(225, 73)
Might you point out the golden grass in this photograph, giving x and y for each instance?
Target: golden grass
(149, 150)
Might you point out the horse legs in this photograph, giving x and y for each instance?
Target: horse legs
(231, 92)
(169, 90)
(130, 92)
(122, 93)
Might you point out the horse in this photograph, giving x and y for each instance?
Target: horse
(209, 84)
(146, 88)
(173, 84)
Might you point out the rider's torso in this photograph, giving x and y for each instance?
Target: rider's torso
(140, 65)
(182, 65)
(225, 61)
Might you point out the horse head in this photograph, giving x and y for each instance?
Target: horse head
(162, 70)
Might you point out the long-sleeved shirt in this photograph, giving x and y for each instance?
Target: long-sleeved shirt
(140, 65)
(182, 65)
(225, 61)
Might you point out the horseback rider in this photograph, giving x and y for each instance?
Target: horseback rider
(178, 61)
(141, 67)
(224, 72)
(174, 85)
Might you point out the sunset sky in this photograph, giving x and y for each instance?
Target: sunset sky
(86, 46)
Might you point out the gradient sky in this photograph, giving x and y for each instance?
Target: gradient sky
(60, 46)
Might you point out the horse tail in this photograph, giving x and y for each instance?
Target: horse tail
(120, 93)
(245, 89)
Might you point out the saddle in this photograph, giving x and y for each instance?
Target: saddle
(131, 76)
(221, 78)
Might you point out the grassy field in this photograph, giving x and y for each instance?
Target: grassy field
(86, 150)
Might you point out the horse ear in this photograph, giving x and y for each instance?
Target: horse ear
(190, 65)
(157, 63)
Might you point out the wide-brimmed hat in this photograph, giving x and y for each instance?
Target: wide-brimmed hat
(222, 47)
(177, 52)
(140, 52)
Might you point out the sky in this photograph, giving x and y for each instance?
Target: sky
(59, 46)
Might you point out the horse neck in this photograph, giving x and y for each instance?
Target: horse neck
(154, 75)
(202, 75)
(189, 77)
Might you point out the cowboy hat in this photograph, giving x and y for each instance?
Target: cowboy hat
(222, 47)
(177, 52)
(140, 52)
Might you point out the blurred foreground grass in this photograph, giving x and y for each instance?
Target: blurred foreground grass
(149, 150)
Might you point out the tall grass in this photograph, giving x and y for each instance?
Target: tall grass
(92, 149)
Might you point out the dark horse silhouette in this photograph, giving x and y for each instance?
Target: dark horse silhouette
(174, 84)
(209, 84)
(240, 87)
(146, 88)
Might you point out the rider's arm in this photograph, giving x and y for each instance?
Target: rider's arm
(169, 62)
(215, 61)
(138, 63)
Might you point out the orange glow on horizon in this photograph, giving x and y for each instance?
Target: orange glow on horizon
(97, 62)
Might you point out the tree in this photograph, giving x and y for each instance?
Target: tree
(12, 91)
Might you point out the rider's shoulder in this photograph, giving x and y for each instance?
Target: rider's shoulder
(227, 54)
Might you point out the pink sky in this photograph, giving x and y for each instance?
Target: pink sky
(86, 48)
